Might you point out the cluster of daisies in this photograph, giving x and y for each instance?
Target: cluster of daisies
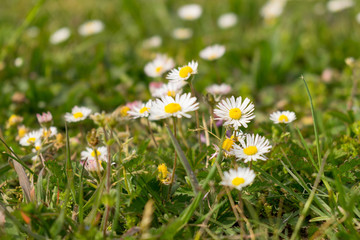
(37, 138)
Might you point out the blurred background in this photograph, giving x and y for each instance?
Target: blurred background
(267, 49)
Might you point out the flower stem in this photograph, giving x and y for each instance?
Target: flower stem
(151, 133)
(196, 113)
(175, 160)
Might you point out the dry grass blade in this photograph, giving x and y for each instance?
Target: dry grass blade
(23, 180)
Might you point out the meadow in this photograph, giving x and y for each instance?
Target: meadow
(155, 119)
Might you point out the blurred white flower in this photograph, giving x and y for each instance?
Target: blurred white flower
(91, 27)
(182, 33)
(18, 62)
(216, 89)
(32, 32)
(152, 42)
(358, 17)
(77, 114)
(282, 117)
(227, 20)
(272, 9)
(238, 178)
(183, 73)
(190, 12)
(339, 5)
(60, 35)
(154, 86)
(161, 64)
(212, 52)
(170, 89)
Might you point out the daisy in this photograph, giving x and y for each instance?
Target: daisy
(183, 73)
(212, 52)
(170, 89)
(252, 149)
(141, 110)
(182, 33)
(173, 107)
(227, 20)
(235, 113)
(48, 132)
(60, 35)
(77, 114)
(152, 42)
(91, 27)
(282, 117)
(358, 17)
(190, 12)
(339, 5)
(159, 65)
(89, 154)
(18, 62)
(216, 89)
(30, 138)
(154, 86)
(44, 117)
(272, 9)
(238, 178)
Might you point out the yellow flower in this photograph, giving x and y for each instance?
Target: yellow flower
(13, 120)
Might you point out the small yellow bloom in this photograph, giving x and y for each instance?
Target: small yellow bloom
(13, 120)
(163, 172)
(124, 111)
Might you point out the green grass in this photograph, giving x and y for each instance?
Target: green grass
(307, 189)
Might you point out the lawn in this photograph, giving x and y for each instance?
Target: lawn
(155, 119)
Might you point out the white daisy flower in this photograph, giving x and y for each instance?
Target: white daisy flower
(190, 12)
(238, 178)
(173, 107)
(89, 154)
(91, 27)
(161, 64)
(227, 20)
(182, 33)
(170, 89)
(152, 42)
(339, 5)
(77, 114)
(212, 52)
(282, 117)
(236, 113)
(358, 17)
(154, 86)
(216, 89)
(272, 9)
(60, 35)
(30, 138)
(252, 149)
(140, 110)
(48, 132)
(18, 62)
(183, 73)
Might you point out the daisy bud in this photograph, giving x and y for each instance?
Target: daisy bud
(44, 118)
(92, 138)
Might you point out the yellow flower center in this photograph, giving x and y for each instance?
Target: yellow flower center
(172, 108)
(237, 181)
(78, 115)
(171, 93)
(227, 144)
(235, 113)
(37, 148)
(124, 111)
(144, 109)
(185, 71)
(283, 118)
(158, 69)
(90, 27)
(31, 140)
(163, 172)
(251, 150)
(95, 152)
(212, 57)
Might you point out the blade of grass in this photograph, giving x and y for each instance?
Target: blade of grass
(184, 161)
(69, 169)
